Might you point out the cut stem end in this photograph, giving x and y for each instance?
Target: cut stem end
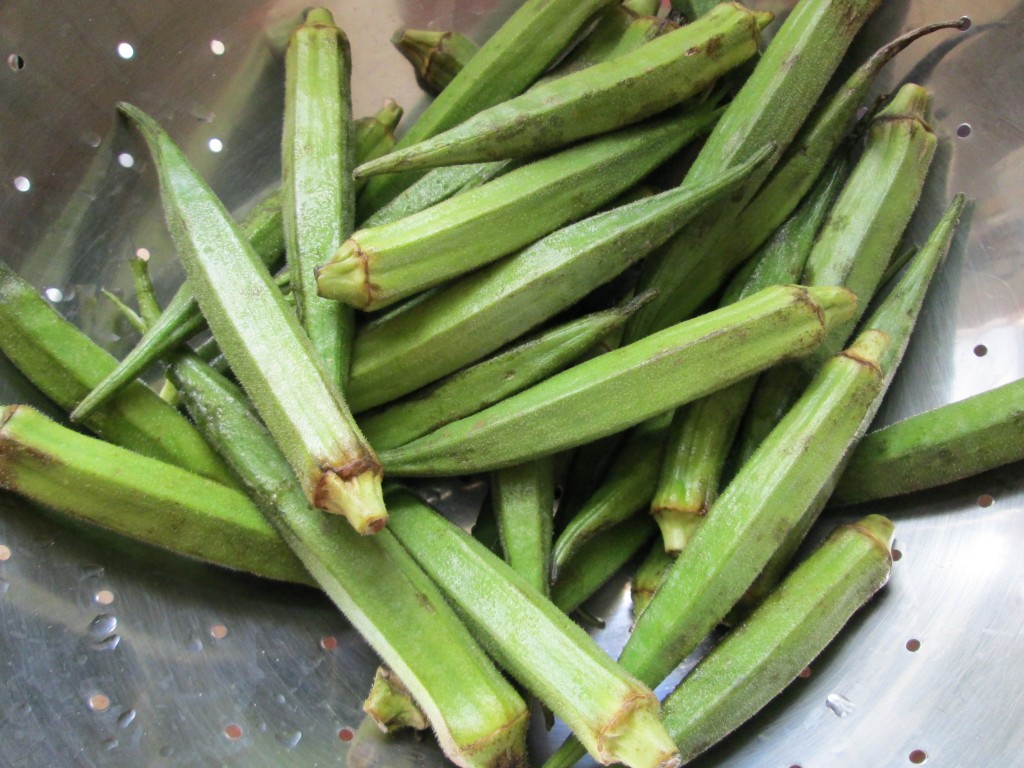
(359, 499)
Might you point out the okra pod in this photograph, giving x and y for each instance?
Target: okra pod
(378, 266)
(762, 656)
(137, 496)
(390, 705)
(514, 56)
(857, 240)
(436, 57)
(615, 32)
(524, 502)
(318, 193)
(375, 135)
(65, 364)
(936, 447)
(770, 108)
(263, 342)
(481, 312)
(703, 433)
(600, 98)
(597, 561)
(642, 7)
(591, 399)
(649, 577)
(479, 720)
(625, 490)
(181, 318)
(474, 388)
(615, 717)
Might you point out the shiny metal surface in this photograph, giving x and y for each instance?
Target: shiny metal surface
(117, 655)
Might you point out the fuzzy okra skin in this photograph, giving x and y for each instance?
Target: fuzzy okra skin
(479, 720)
(375, 135)
(318, 192)
(65, 364)
(793, 472)
(649, 576)
(377, 266)
(523, 496)
(770, 108)
(483, 311)
(616, 717)
(624, 491)
(600, 98)
(511, 59)
(437, 57)
(181, 318)
(758, 659)
(262, 340)
(703, 433)
(594, 398)
(137, 496)
(936, 447)
(474, 388)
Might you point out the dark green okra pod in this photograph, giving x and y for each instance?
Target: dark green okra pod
(524, 502)
(474, 388)
(479, 720)
(436, 57)
(481, 312)
(535, 642)
(763, 655)
(649, 577)
(65, 364)
(791, 474)
(596, 398)
(600, 98)
(318, 193)
(263, 342)
(376, 267)
(138, 496)
(514, 56)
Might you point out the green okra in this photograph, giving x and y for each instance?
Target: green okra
(474, 388)
(703, 433)
(511, 59)
(770, 108)
(137, 496)
(618, 31)
(65, 364)
(649, 577)
(537, 644)
(626, 488)
(483, 311)
(595, 398)
(642, 7)
(375, 135)
(599, 560)
(378, 266)
(792, 472)
(524, 502)
(478, 718)
(390, 705)
(181, 318)
(600, 98)
(263, 342)
(936, 447)
(857, 241)
(436, 57)
(693, 9)
(318, 193)
(761, 657)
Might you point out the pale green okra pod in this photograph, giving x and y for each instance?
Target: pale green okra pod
(758, 659)
(262, 340)
(598, 397)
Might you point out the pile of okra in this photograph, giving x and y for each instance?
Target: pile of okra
(503, 290)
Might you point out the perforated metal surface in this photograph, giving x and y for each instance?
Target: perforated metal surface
(118, 655)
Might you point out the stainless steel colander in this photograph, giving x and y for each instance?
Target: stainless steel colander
(115, 654)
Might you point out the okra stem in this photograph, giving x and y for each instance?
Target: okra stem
(478, 718)
(592, 399)
(436, 57)
(762, 656)
(390, 705)
(138, 496)
(318, 193)
(263, 342)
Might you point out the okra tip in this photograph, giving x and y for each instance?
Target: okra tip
(357, 496)
(346, 276)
